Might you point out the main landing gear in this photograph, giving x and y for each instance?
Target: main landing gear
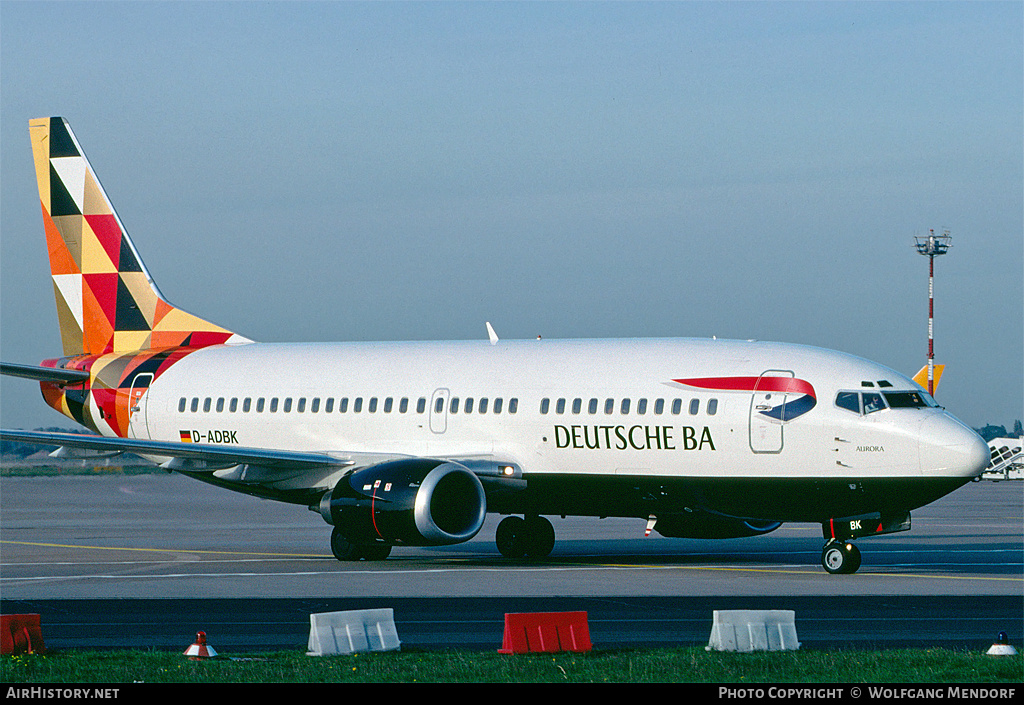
(840, 557)
(345, 550)
(532, 537)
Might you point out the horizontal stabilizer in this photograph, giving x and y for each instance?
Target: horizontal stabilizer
(43, 374)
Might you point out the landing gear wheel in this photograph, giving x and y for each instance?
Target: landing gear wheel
(510, 538)
(345, 550)
(342, 548)
(533, 537)
(840, 558)
(540, 537)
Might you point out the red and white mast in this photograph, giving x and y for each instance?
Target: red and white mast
(932, 246)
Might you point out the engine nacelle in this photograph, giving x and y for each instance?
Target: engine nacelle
(704, 525)
(415, 501)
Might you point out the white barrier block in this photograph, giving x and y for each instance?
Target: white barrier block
(753, 630)
(352, 631)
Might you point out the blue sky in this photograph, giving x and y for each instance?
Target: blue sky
(387, 171)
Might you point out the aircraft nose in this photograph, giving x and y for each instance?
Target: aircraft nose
(948, 447)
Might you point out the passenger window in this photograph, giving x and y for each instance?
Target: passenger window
(577, 405)
(273, 405)
(357, 405)
(560, 406)
(314, 406)
(403, 406)
(659, 406)
(454, 408)
(469, 405)
(233, 405)
(641, 406)
(260, 403)
(373, 405)
(712, 407)
(246, 405)
(287, 405)
(513, 405)
(694, 406)
(497, 405)
(624, 408)
(421, 405)
(544, 405)
(609, 406)
(301, 406)
(388, 403)
(482, 406)
(677, 406)
(439, 405)
(206, 403)
(849, 401)
(181, 405)
(220, 404)
(343, 405)
(195, 404)
(592, 406)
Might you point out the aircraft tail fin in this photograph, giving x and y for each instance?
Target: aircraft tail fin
(922, 377)
(106, 300)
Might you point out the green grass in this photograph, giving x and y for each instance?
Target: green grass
(692, 665)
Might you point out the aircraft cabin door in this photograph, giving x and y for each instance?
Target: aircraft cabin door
(766, 404)
(439, 411)
(137, 399)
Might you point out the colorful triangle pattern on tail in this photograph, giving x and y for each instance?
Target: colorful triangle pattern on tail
(106, 300)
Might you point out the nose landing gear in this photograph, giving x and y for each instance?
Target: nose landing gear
(840, 557)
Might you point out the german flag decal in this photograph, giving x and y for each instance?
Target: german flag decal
(186, 436)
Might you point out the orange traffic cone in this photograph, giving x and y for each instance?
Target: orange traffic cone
(200, 649)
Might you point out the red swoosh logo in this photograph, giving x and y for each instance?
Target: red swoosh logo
(786, 385)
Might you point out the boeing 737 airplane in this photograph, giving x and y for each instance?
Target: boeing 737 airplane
(413, 443)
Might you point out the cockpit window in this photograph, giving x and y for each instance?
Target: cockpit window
(849, 401)
(905, 400)
(868, 402)
(873, 402)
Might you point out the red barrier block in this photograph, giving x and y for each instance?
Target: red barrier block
(21, 634)
(545, 632)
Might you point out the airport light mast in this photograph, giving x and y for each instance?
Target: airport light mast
(932, 246)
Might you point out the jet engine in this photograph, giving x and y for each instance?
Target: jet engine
(415, 501)
(705, 525)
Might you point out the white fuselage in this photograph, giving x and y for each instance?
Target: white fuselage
(439, 400)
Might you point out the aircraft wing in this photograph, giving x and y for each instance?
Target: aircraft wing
(285, 475)
(185, 456)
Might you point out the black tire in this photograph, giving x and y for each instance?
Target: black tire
(510, 536)
(342, 548)
(854, 559)
(540, 537)
(840, 558)
(375, 551)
